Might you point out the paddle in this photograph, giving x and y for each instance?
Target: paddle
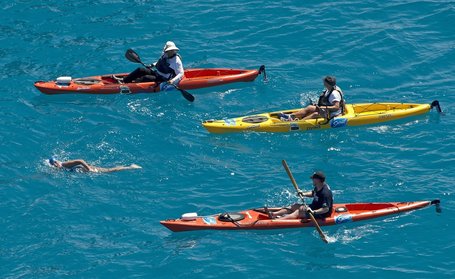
(318, 228)
(132, 56)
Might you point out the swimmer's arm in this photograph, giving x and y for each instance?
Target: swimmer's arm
(73, 163)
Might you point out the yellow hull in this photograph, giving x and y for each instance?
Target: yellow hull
(355, 115)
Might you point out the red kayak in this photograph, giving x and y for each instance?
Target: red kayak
(107, 84)
(257, 219)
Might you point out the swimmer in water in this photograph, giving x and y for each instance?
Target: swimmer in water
(81, 165)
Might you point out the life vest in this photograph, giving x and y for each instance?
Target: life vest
(163, 66)
(324, 98)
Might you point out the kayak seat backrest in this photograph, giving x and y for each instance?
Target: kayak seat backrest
(348, 110)
(231, 217)
(345, 108)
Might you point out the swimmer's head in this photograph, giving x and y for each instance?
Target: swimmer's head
(54, 162)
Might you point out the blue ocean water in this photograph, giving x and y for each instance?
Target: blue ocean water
(57, 224)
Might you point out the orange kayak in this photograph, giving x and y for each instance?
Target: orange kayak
(107, 84)
(257, 219)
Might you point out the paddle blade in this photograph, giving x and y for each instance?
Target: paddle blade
(187, 95)
(318, 228)
(132, 56)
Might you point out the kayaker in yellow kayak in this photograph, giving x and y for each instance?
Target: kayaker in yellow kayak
(321, 206)
(168, 68)
(330, 104)
(80, 165)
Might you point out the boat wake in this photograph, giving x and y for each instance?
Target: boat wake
(347, 235)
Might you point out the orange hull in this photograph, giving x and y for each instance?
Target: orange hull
(193, 79)
(257, 219)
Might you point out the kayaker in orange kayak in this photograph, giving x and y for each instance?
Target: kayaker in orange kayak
(80, 165)
(321, 206)
(168, 68)
(330, 103)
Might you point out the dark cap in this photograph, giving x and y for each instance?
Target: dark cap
(52, 160)
(332, 81)
(319, 175)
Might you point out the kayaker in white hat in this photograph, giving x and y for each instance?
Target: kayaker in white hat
(168, 68)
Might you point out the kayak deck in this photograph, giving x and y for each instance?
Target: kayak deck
(355, 115)
(257, 219)
(107, 84)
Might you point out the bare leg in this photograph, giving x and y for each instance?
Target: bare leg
(312, 116)
(303, 113)
(118, 168)
(297, 214)
(283, 211)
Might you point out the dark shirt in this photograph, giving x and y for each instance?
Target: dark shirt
(322, 198)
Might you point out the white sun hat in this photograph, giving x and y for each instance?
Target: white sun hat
(170, 46)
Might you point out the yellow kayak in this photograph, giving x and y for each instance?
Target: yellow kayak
(355, 115)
